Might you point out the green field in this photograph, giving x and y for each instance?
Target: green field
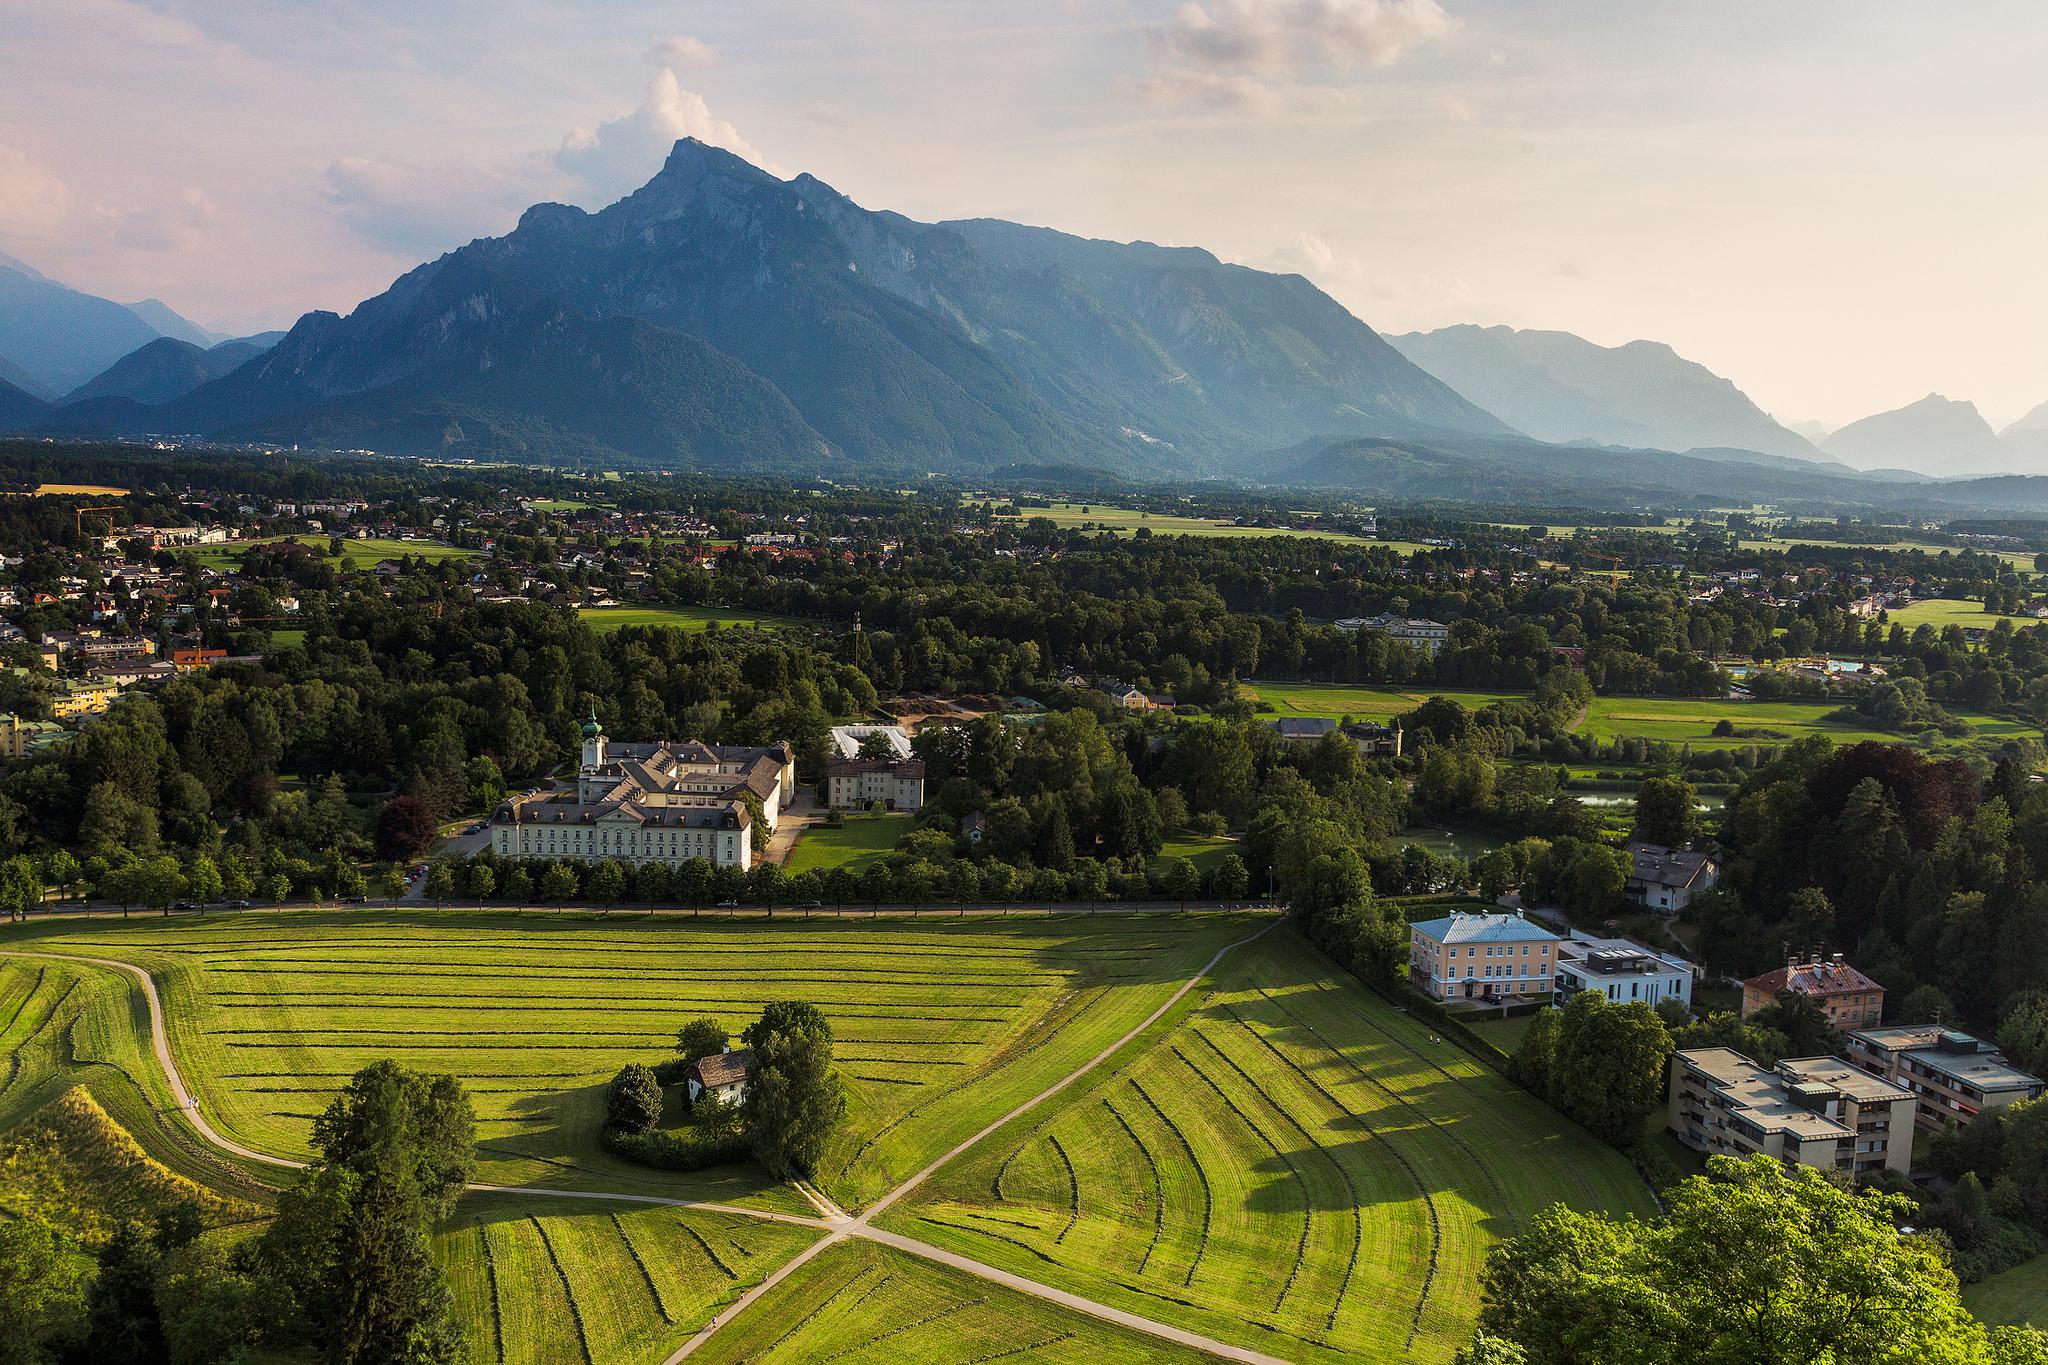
(861, 1302)
(1688, 721)
(535, 1284)
(1337, 700)
(1451, 843)
(1124, 521)
(607, 619)
(1944, 611)
(357, 554)
(1291, 1164)
(2020, 1295)
(858, 842)
(941, 1025)
(1203, 850)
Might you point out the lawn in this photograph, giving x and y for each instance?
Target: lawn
(941, 1025)
(1451, 843)
(1203, 850)
(1504, 1034)
(858, 842)
(1691, 721)
(606, 1283)
(862, 1301)
(1946, 611)
(1337, 700)
(1126, 521)
(2020, 1295)
(1290, 1163)
(356, 554)
(604, 620)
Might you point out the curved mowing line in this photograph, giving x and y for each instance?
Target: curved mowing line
(1464, 1086)
(993, 1064)
(1073, 1189)
(954, 1311)
(712, 1252)
(1201, 1173)
(1436, 1229)
(1307, 1204)
(1158, 1189)
(807, 1319)
(1021, 1350)
(254, 1000)
(575, 1310)
(34, 988)
(653, 1290)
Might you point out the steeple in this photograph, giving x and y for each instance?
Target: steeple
(593, 742)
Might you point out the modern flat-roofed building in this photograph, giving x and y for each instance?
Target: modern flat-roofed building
(1621, 970)
(1808, 1111)
(1850, 999)
(1481, 957)
(1951, 1074)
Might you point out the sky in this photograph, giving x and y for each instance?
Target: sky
(1838, 204)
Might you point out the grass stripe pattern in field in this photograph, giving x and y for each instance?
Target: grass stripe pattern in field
(863, 1304)
(1294, 1159)
(938, 1022)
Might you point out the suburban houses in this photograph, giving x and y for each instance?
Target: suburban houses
(1621, 970)
(1482, 957)
(1850, 999)
(1667, 879)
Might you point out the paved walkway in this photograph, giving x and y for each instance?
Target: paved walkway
(800, 814)
(833, 1221)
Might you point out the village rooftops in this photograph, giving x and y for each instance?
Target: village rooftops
(1791, 1098)
(1656, 865)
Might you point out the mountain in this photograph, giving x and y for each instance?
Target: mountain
(262, 341)
(895, 344)
(166, 368)
(168, 322)
(1936, 436)
(11, 373)
(2028, 437)
(1559, 387)
(19, 410)
(1813, 431)
(60, 337)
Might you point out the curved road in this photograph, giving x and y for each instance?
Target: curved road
(835, 1222)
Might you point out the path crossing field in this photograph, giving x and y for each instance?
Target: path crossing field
(1295, 1165)
(940, 1024)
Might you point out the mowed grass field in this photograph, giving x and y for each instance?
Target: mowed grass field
(1943, 611)
(864, 1303)
(1293, 1164)
(2019, 1295)
(607, 1284)
(1124, 521)
(941, 1025)
(1337, 700)
(356, 554)
(858, 842)
(604, 620)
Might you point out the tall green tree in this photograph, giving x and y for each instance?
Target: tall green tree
(1665, 813)
(1754, 1264)
(1609, 1068)
(795, 1099)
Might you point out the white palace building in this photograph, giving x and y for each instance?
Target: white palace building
(662, 802)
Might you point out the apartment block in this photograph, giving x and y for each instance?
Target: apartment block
(1951, 1074)
(1807, 1111)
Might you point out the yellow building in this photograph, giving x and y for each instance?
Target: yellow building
(19, 738)
(84, 698)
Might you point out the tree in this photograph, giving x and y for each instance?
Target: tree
(351, 1240)
(480, 881)
(1665, 813)
(558, 883)
(38, 1290)
(1530, 1067)
(280, 889)
(159, 881)
(2023, 1030)
(61, 869)
(1179, 879)
(405, 829)
(607, 883)
(1803, 1023)
(1609, 1071)
(1754, 1264)
(203, 880)
(701, 1038)
(441, 882)
(21, 890)
(235, 882)
(1232, 881)
(633, 1104)
(1926, 1005)
(795, 1099)
(122, 1323)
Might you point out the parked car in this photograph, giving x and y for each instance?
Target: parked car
(239, 905)
(728, 905)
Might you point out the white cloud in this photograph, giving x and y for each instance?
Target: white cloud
(32, 201)
(1247, 53)
(419, 210)
(680, 50)
(621, 154)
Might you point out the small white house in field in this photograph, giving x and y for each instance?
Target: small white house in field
(722, 1075)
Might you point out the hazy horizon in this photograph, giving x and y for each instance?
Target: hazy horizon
(1828, 207)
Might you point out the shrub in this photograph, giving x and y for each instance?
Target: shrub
(633, 1104)
(682, 1151)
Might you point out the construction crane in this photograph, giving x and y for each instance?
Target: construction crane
(1614, 563)
(79, 514)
